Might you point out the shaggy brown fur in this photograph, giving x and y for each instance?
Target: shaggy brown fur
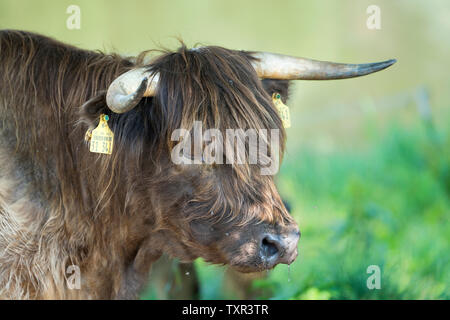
(114, 215)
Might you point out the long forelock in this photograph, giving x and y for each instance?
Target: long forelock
(217, 87)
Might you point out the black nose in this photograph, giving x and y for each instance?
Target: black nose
(270, 246)
(279, 248)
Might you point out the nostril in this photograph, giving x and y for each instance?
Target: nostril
(279, 248)
(270, 246)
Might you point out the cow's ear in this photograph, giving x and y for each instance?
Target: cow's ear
(93, 108)
(278, 86)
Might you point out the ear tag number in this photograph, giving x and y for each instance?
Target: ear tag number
(102, 138)
(283, 110)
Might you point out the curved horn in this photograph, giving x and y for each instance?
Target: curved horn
(282, 67)
(125, 92)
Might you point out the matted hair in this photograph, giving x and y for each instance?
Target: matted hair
(76, 204)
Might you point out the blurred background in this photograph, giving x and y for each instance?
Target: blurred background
(367, 168)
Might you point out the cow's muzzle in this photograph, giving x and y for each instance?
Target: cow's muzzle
(275, 249)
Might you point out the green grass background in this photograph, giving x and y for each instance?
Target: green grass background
(367, 176)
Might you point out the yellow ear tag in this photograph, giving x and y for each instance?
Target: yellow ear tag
(283, 110)
(102, 138)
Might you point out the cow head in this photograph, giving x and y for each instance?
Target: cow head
(227, 213)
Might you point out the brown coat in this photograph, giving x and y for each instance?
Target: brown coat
(112, 216)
